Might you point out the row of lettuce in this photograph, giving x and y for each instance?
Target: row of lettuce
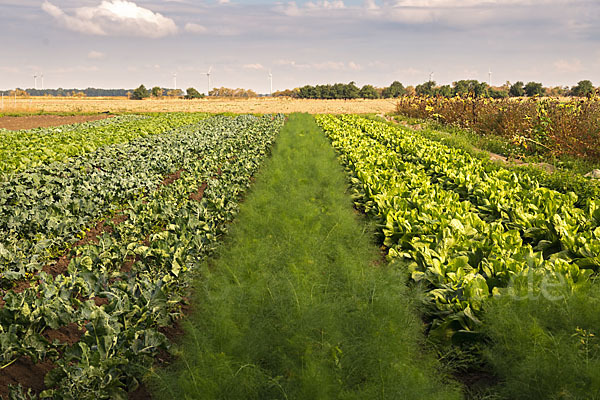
(473, 233)
(122, 290)
(20, 150)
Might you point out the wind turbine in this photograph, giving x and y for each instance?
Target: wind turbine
(35, 82)
(431, 76)
(42, 76)
(490, 76)
(271, 81)
(175, 81)
(208, 78)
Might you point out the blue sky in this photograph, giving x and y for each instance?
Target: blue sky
(118, 43)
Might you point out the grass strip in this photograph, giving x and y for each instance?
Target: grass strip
(295, 306)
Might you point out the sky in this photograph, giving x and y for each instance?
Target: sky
(122, 43)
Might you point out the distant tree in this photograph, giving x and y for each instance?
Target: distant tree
(248, 93)
(461, 88)
(471, 88)
(368, 92)
(583, 89)
(325, 92)
(19, 93)
(498, 93)
(228, 92)
(517, 90)
(140, 93)
(175, 93)
(157, 91)
(445, 91)
(534, 89)
(192, 93)
(396, 89)
(410, 91)
(558, 91)
(425, 89)
(351, 91)
(286, 93)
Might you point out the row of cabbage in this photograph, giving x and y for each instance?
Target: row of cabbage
(21, 150)
(45, 210)
(124, 288)
(465, 227)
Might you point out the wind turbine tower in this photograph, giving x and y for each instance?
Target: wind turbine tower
(271, 81)
(42, 76)
(208, 79)
(175, 81)
(490, 77)
(35, 82)
(431, 76)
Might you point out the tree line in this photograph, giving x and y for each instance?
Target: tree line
(462, 88)
(472, 88)
(60, 92)
(475, 88)
(344, 91)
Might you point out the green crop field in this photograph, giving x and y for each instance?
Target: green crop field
(368, 261)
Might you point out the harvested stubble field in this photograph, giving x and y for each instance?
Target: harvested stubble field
(213, 105)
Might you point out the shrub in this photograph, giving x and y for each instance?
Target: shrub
(543, 126)
(140, 93)
(192, 93)
(534, 89)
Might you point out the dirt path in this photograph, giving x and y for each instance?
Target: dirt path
(42, 121)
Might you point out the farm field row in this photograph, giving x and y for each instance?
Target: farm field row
(84, 312)
(472, 233)
(293, 306)
(20, 150)
(108, 229)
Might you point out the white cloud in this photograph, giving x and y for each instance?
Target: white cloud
(285, 62)
(12, 70)
(466, 3)
(325, 5)
(195, 28)
(114, 18)
(353, 66)
(73, 69)
(253, 66)
(321, 66)
(371, 5)
(96, 55)
(292, 9)
(568, 65)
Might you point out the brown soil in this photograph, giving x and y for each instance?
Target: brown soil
(169, 179)
(100, 301)
(173, 332)
(141, 393)
(42, 121)
(20, 286)
(68, 334)
(60, 266)
(24, 372)
(128, 264)
(477, 380)
(200, 193)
